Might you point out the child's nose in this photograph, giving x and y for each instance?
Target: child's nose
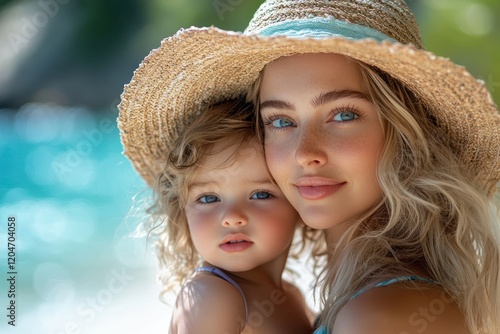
(234, 217)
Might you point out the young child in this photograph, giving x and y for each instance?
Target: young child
(228, 231)
(390, 150)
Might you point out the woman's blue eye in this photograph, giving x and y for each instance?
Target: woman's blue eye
(261, 195)
(345, 116)
(281, 123)
(208, 199)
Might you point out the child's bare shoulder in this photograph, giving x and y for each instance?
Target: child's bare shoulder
(208, 304)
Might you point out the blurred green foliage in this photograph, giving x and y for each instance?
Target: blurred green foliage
(467, 32)
(90, 41)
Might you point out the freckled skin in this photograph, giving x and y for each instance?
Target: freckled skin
(335, 147)
(346, 152)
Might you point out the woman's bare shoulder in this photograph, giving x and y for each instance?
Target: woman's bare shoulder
(292, 289)
(292, 292)
(400, 309)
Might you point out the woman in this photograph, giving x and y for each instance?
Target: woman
(387, 148)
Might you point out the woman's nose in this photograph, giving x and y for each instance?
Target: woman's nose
(309, 151)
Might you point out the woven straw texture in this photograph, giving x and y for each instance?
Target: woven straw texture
(198, 67)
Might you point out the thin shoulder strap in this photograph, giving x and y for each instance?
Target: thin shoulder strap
(396, 280)
(224, 276)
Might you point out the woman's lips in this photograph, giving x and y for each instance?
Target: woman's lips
(315, 188)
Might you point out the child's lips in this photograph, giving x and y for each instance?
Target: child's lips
(235, 247)
(235, 237)
(235, 243)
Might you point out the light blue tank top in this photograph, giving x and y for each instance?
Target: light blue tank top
(224, 276)
(324, 330)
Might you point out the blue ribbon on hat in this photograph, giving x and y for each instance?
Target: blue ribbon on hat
(321, 28)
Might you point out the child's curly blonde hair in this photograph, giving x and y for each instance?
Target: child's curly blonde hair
(231, 122)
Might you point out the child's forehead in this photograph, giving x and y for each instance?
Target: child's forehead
(225, 165)
(228, 151)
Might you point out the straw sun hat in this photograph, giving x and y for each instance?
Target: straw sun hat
(198, 67)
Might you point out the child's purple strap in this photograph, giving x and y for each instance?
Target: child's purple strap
(221, 274)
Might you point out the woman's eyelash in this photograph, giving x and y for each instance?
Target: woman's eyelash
(270, 119)
(348, 109)
(270, 122)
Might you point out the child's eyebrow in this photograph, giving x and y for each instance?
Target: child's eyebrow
(199, 184)
(261, 181)
(204, 184)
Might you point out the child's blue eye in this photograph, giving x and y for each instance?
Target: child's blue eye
(345, 116)
(281, 123)
(208, 199)
(261, 195)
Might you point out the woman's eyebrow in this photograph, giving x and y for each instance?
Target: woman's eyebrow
(317, 101)
(338, 94)
(276, 104)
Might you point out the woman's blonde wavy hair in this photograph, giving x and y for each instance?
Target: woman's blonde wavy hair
(231, 123)
(433, 214)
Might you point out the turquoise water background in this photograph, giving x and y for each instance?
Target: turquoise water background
(79, 265)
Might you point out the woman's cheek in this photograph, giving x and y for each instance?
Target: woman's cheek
(276, 168)
(276, 155)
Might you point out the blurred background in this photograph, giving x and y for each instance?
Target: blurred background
(63, 64)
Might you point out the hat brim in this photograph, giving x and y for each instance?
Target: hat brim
(198, 67)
